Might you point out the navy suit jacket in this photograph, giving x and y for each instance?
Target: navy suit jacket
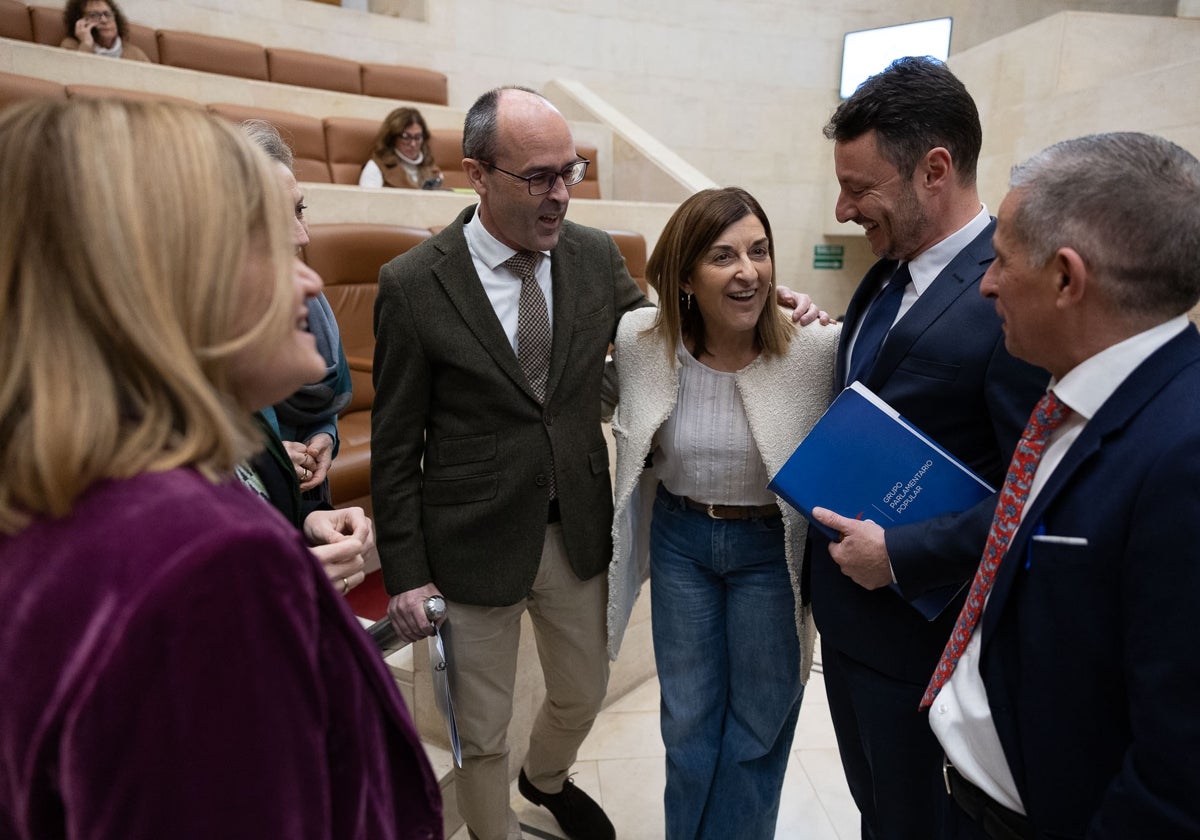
(1091, 654)
(944, 367)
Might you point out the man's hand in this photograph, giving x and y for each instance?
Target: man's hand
(862, 552)
(407, 612)
(803, 309)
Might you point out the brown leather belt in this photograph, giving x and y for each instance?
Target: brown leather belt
(732, 511)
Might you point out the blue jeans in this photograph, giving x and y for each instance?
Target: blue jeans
(723, 617)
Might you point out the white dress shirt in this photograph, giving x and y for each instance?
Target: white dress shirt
(503, 288)
(927, 265)
(960, 716)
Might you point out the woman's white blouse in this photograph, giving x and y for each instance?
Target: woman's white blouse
(705, 450)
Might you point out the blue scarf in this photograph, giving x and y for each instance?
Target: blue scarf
(320, 402)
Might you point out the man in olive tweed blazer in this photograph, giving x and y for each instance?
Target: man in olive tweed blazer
(485, 494)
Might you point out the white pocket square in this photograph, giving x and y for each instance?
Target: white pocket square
(1056, 540)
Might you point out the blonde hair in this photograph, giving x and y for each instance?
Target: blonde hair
(689, 233)
(125, 230)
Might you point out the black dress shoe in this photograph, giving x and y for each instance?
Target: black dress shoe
(577, 813)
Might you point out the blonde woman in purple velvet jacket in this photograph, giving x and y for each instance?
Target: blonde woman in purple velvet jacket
(170, 665)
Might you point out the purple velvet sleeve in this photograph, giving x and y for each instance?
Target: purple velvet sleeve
(208, 719)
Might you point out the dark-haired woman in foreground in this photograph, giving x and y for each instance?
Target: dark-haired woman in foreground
(717, 387)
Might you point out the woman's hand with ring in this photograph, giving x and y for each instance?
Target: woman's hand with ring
(301, 461)
(320, 456)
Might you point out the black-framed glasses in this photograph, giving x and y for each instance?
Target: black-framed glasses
(543, 182)
(105, 15)
(412, 138)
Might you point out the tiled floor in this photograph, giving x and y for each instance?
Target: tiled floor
(621, 766)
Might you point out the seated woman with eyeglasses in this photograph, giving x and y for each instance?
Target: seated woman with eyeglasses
(401, 156)
(99, 28)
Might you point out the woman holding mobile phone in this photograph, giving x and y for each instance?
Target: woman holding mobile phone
(99, 28)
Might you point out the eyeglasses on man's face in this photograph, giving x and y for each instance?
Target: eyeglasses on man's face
(542, 182)
(100, 16)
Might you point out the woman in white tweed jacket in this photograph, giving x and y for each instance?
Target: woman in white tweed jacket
(716, 389)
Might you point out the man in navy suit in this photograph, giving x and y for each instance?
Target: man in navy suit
(905, 150)
(1072, 711)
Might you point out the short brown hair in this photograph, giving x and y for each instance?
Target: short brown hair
(689, 233)
(73, 11)
(393, 126)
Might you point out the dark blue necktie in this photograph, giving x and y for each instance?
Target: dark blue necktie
(876, 323)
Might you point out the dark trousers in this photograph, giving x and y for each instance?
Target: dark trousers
(893, 763)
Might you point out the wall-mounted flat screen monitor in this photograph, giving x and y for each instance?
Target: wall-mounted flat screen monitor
(868, 51)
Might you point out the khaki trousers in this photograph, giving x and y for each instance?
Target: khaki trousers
(569, 624)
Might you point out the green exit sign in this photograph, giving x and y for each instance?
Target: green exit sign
(828, 256)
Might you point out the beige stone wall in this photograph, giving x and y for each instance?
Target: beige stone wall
(740, 90)
(1079, 73)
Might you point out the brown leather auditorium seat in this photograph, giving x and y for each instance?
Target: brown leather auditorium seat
(212, 54)
(348, 143)
(348, 258)
(306, 69)
(415, 84)
(633, 248)
(14, 21)
(303, 133)
(14, 88)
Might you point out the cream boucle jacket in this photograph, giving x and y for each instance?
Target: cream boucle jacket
(783, 398)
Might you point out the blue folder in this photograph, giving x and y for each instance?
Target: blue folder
(864, 461)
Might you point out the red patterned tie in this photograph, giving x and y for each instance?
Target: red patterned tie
(1047, 415)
